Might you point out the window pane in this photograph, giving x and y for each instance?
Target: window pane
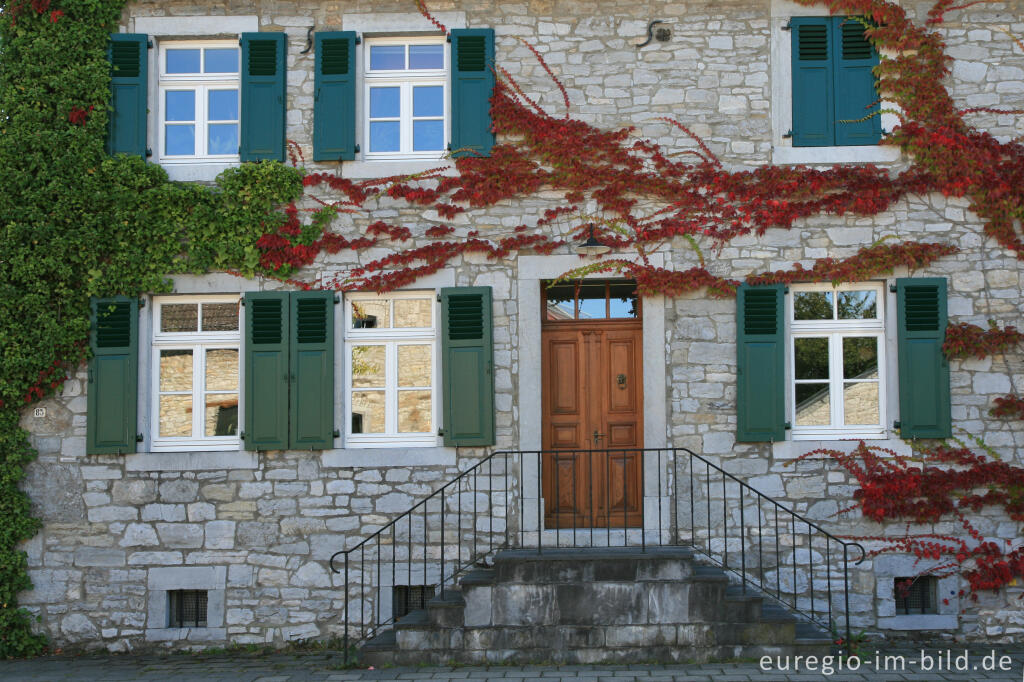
(427, 136)
(223, 105)
(368, 366)
(426, 56)
(223, 138)
(221, 60)
(812, 305)
(221, 414)
(222, 369)
(413, 411)
(175, 416)
(387, 57)
(384, 136)
(180, 105)
(370, 314)
(622, 300)
(220, 317)
(811, 358)
(183, 61)
(860, 403)
(176, 370)
(592, 302)
(367, 411)
(414, 365)
(181, 140)
(179, 317)
(412, 312)
(385, 102)
(860, 358)
(813, 407)
(561, 300)
(857, 305)
(428, 100)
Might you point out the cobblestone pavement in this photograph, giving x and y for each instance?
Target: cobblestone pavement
(326, 666)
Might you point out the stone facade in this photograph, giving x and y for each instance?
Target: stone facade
(257, 529)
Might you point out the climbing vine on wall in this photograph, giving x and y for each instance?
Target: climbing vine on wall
(77, 223)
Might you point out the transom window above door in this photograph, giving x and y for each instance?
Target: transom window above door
(406, 101)
(198, 102)
(591, 300)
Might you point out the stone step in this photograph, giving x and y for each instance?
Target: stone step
(445, 609)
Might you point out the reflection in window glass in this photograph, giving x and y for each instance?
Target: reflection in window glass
(414, 366)
(387, 57)
(368, 414)
(622, 300)
(222, 369)
(561, 302)
(221, 414)
(414, 409)
(175, 370)
(181, 317)
(368, 366)
(811, 358)
(175, 416)
(182, 61)
(860, 402)
(860, 357)
(371, 314)
(812, 305)
(412, 312)
(813, 407)
(857, 305)
(426, 56)
(220, 317)
(221, 60)
(592, 302)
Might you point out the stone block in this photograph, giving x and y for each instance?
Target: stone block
(257, 534)
(138, 534)
(154, 558)
(78, 628)
(180, 490)
(312, 574)
(163, 512)
(180, 535)
(134, 492)
(102, 514)
(201, 511)
(99, 556)
(220, 535)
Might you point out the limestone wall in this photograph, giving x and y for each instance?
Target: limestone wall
(118, 530)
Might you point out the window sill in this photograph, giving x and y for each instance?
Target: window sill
(358, 170)
(192, 461)
(204, 171)
(388, 457)
(186, 634)
(839, 435)
(919, 622)
(782, 155)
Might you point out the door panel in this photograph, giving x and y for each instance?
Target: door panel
(592, 401)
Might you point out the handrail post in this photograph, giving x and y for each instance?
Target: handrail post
(442, 543)
(846, 590)
(346, 609)
(743, 545)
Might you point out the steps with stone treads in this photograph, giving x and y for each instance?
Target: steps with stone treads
(590, 605)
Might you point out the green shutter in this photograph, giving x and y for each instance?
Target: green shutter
(112, 393)
(311, 400)
(129, 67)
(266, 370)
(467, 366)
(924, 370)
(472, 85)
(263, 96)
(813, 107)
(760, 363)
(855, 92)
(334, 102)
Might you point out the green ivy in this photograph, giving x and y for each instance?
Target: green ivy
(76, 223)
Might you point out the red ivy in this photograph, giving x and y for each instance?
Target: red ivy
(965, 340)
(1011, 406)
(77, 115)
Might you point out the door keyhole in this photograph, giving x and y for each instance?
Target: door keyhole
(621, 381)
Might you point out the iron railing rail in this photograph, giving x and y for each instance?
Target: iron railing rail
(432, 542)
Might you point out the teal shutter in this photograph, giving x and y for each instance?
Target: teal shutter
(266, 370)
(467, 366)
(472, 85)
(813, 97)
(855, 93)
(311, 403)
(760, 363)
(129, 67)
(924, 370)
(112, 391)
(263, 96)
(334, 101)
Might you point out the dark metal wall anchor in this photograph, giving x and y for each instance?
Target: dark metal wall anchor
(662, 34)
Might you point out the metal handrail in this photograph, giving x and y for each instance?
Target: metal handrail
(481, 538)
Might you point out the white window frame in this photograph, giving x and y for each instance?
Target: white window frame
(201, 84)
(405, 79)
(198, 343)
(835, 330)
(392, 338)
(781, 59)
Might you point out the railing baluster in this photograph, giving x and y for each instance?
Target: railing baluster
(362, 593)
(660, 540)
(608, 495)
(347, 599)
(707, 472)
(846, 592)
(591, 510)
(575, 458)
(442, 541)
(473, 529)
(793, 535)
(693, 518)
(625, 501)
(743, 544)
(778, 557)
(810, 567)
(558, 502)
(760, 545)
(725, 524)
(540, 517)
(828, 577)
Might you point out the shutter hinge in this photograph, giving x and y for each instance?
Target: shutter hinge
(337, 299)
(440, 432)
(241, 301)
(788, 135)
(787, 26)
(448, 37)
(892, 288)
(896, 425)
(242, 435)
(142, 303)
(357, 150)
(336, 433)
(149, 44)
(449, 146)
(359, 40)
(149, 152)
(785, 290)
(787, 426)
(439, 298)
(139, 438)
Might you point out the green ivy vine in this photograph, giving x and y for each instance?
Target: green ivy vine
(77, 223)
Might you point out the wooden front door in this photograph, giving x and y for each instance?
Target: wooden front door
(593, 420)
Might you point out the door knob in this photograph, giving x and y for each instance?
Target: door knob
(621, 381)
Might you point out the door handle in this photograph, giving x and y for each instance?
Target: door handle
(597, 436)
(621, 381)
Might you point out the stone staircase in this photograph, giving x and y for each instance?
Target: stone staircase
(590, 605)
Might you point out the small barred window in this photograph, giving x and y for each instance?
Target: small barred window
(915, 595)
(187, 608)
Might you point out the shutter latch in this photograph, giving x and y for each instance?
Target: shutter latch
(336, 433)
(788, 135)
(787, 426)
(787, 26)
(896, 425)
(139, 438)
(440, 432)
